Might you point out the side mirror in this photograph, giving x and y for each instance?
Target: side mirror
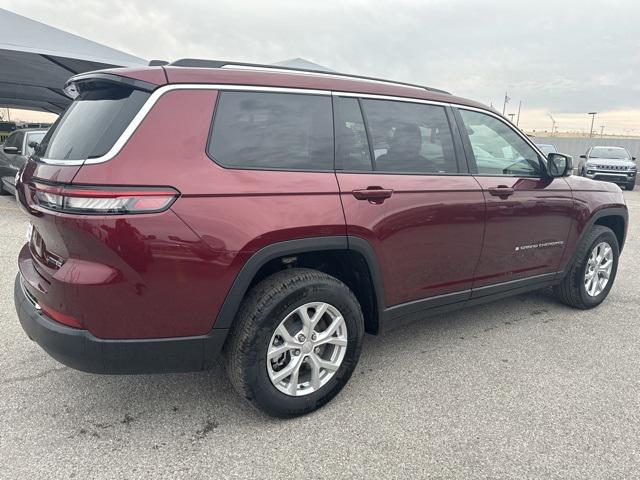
(559, 165)
(33, 144)
(583, 156)
(633, 158)
(11, 150)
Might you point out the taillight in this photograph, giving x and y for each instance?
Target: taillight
(93, 200)
(62, 318)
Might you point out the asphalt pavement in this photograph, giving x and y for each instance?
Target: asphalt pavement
(522, 388)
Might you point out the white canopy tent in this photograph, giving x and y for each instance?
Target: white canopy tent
(36, 60)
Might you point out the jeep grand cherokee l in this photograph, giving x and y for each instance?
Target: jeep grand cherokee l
(610, 164)
(181, 211)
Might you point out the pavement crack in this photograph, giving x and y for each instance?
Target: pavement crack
(9, 381)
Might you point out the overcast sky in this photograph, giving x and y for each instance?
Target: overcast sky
(563, 57)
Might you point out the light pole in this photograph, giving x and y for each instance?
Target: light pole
(507, 98)
(593, 117)
(553, 124)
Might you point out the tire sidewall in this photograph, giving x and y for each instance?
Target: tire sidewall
(610, 239)
(262, 391)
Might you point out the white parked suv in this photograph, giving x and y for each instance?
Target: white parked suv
(610, 164)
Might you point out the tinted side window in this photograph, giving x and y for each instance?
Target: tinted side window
(410, 137)
(273, 130)
(352, 146)
(497, 148)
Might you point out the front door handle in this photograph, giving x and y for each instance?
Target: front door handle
(375, 195)
(501, 191)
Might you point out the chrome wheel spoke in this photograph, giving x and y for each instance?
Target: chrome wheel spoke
(320, 311)
(327, 365)
(276, 351)
(315, 371)
(303, 313)
(286, 336)
(293, 381)
(339, 341)
(331, 329)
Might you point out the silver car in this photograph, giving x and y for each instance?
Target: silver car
(14, 153)
(610, 164)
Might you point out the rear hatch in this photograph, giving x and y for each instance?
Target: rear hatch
(66, 220)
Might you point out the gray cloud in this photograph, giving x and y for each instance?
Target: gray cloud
(563, 56)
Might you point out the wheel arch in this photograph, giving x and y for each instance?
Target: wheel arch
(350, 259)
(616, 217)
(614, 221)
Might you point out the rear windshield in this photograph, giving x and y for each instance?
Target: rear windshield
(93, 122)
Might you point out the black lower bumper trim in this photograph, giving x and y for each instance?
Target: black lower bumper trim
(81, 350)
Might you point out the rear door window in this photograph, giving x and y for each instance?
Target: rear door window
(410, 137)
(264, 130)
(93, 122)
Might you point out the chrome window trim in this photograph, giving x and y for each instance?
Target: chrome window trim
(159, 92)
(374, 96)
(499, 117)
(444, 104)
(151, 101)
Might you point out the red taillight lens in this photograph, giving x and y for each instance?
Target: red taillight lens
(91, 200)
(62, 318)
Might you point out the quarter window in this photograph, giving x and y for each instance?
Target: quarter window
(410, 137)
(497, 148)
(273, 130)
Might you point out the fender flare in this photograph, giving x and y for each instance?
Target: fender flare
(605, 212)
(240, 286)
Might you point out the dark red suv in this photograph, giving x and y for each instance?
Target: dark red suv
(185, 210)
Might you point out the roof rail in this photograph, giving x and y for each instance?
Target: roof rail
(201, 63)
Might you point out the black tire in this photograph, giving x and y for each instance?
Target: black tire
(631, 186)
(261, 312)
(572, 290)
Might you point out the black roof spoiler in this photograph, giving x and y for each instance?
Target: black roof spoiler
(72, 86)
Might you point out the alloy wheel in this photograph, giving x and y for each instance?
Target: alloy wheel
(598, 269)
(307, 349)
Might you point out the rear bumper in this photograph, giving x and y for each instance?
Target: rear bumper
(81, 350)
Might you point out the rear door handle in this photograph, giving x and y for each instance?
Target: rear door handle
(501, 191)
(373, 194)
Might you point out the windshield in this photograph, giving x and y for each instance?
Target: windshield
(615, 153)
(93, 122)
